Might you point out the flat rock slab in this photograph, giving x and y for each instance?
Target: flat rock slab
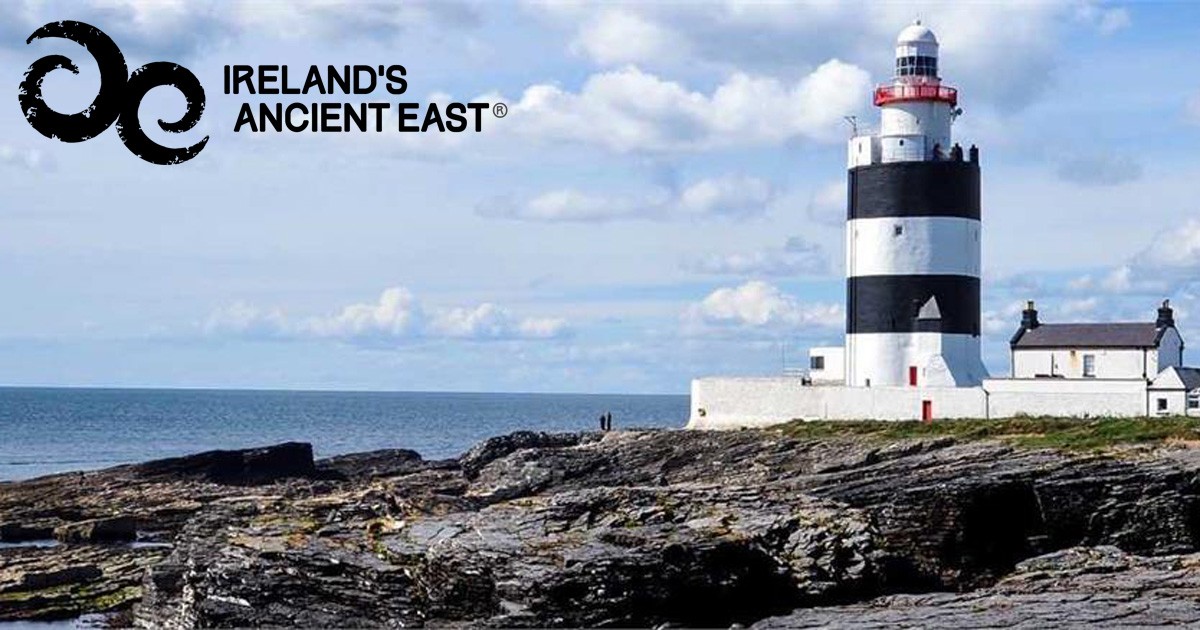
(1076, 588)
(113, 529)
(71, 580)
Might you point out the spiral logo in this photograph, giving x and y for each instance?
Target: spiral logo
(118, 100)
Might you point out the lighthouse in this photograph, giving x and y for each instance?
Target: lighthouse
(913, 235)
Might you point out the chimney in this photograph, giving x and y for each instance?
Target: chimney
(1029, 319)
(1166, 316)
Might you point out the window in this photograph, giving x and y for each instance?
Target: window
(1162, 404)
(816, 363)
(1089, 365)
(926, 66)
(918, 65)
(898, 229)
(1194, 402)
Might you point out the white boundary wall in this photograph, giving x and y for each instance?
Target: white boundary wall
(727, 403)
(745, 402)
(1065, 397)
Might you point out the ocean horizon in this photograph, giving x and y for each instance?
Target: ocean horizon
(47, 430)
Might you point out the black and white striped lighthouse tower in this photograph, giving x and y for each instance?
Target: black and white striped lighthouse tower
(913, 235)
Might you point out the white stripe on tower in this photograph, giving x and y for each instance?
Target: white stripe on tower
(898, 246)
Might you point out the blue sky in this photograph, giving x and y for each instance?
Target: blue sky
(664, 200)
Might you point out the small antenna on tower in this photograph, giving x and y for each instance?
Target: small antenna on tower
(853, 120)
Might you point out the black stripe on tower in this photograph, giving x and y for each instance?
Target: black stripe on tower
(914, 189)
(889, 304)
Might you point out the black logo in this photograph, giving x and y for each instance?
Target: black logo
(119, 98)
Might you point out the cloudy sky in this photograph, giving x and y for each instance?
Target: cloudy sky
(664, 200)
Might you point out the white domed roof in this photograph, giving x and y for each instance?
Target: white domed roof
(916, 32)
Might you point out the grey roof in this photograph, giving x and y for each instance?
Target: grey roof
(1125, 335)
(1190, 377)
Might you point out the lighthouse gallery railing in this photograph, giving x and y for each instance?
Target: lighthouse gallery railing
(895, 93)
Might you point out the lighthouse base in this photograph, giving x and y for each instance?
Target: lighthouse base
(924, 359)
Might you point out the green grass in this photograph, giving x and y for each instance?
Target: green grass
(1061, 433)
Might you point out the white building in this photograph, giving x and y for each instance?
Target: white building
(826, 365)
(1176, 392)
(912, 347)
(1138, 350)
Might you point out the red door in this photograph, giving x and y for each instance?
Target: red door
(912, 375)
(926, 411)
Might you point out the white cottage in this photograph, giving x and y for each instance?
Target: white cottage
(1176, 392)
(1104, 351)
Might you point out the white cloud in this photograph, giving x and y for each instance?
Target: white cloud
(181, 27)
(1003, 320)
(1004, 53)
(1169, 264)
(1167, 267)
(617, 36)
(27, 159)
(159, 21)
(730, 196)
(1081, 284)
(759, 306)
(1079, 307)
(827, 206)
(1119, 280)
(568, 205)
(1175, 250)
(630, 110)
(1105, 20)
(396, 316)
(488, 321)
(245, 320)
(338, 18)
(798, 257)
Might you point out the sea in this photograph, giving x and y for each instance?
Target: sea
(52, 430)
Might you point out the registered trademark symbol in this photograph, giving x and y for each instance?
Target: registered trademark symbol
(499, 110)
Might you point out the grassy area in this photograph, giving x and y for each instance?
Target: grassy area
(1061, 433)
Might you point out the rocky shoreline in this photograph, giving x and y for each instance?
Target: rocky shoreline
(623, 529)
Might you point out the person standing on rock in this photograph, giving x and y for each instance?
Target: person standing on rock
(603, 423)
(608, 421)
